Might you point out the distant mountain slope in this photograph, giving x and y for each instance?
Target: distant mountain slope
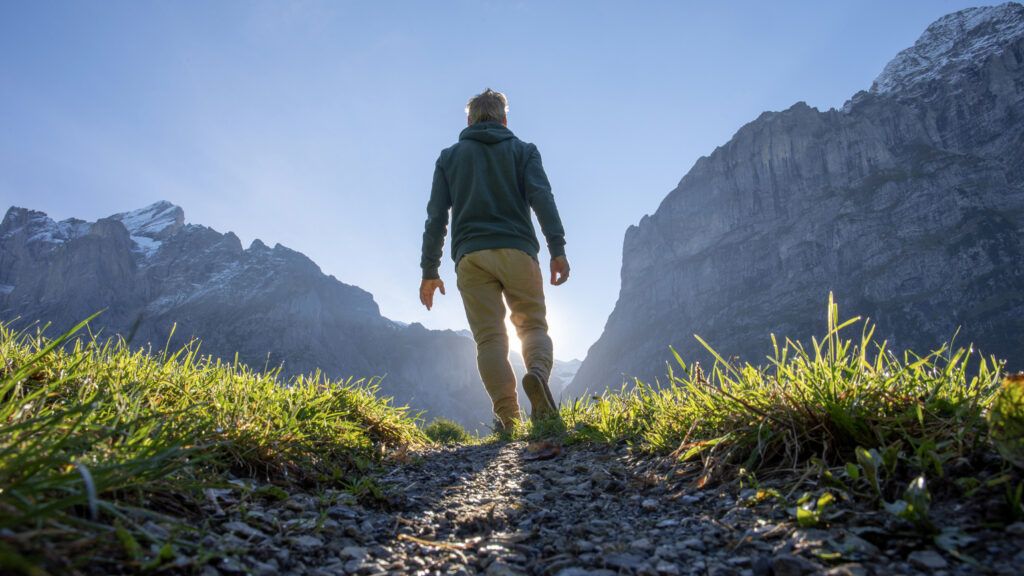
(273, 306)
(908, 203)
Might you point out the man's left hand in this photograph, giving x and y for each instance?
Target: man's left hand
(427, 287)
(559, 270)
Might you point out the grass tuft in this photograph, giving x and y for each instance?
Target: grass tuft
(447, 432)
(819, 404)
(97, 439)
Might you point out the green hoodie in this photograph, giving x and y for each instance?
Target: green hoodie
(489, 180)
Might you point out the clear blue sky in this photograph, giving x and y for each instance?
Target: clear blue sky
(316, 124)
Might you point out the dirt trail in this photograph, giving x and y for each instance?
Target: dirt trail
(502, 509)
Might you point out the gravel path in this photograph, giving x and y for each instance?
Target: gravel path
(502, 509)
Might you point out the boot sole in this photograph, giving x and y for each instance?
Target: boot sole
(541, 402)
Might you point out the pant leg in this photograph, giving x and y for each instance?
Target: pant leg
(523, 281)
(485, 311)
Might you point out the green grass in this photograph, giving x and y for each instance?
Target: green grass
(816, 405)
(445, 431)
(96, 439)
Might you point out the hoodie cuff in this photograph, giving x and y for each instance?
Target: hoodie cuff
(431, 274)
(556, 251)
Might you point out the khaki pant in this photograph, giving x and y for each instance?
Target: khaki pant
(484, 277)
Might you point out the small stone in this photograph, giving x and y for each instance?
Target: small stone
(665, 551)
(340, 511)
(574, 571)
(584, 546)
(851, 569)
(694, 544)
(501, 568)
(649, 504)
(1017, 529)
(298, 503)
(667, 568)
(623, 561)
(231, 565)
(305, 542)
(790, 565)
(642, 544)
(927, 560)
(853, 543)
(264, 569)
(353, 566)
(243, 529)
(668, 523)
(353, 553)
(738, 561)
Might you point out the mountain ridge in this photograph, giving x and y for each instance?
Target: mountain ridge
(907, 203)
(157, 275)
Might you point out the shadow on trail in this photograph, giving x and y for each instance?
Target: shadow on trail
(515, 508)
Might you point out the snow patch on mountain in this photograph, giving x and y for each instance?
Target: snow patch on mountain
(42, 228)
(951, 45)
(156, 221)
(145, 245)
(73, 228)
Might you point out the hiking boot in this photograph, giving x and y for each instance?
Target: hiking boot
(504, 430)
(542, 404)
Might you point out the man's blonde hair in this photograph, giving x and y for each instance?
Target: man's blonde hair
(487, 106)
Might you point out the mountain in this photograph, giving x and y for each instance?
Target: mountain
(908, 203)
(273, 306)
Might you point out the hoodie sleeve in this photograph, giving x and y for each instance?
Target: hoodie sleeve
(538, 193)
(436, 226)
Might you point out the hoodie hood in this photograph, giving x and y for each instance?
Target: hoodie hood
(486, 132)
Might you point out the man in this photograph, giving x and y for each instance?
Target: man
(490, 180)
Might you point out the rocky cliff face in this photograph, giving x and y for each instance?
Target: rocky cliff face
(908, 203)
(273, 306)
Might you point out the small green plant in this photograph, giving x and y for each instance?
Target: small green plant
(810, 511)
(914, 506)
(871, 464)
(445, 431)
(1006, 420)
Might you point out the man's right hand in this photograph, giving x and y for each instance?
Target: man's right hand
(559, 270)
(427, 287)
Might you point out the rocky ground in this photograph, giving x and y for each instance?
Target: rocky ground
(510, 508)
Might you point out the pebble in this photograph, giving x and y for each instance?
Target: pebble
(694, 544)
(353, 552)
(668, 568)
(1016, 529)
(927, 560)
(847, 570)
(790, 565)
(243, 529)
(305, 542)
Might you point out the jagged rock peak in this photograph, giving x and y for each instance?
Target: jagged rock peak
(951, 44)
(39, 227)
(156, 221)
